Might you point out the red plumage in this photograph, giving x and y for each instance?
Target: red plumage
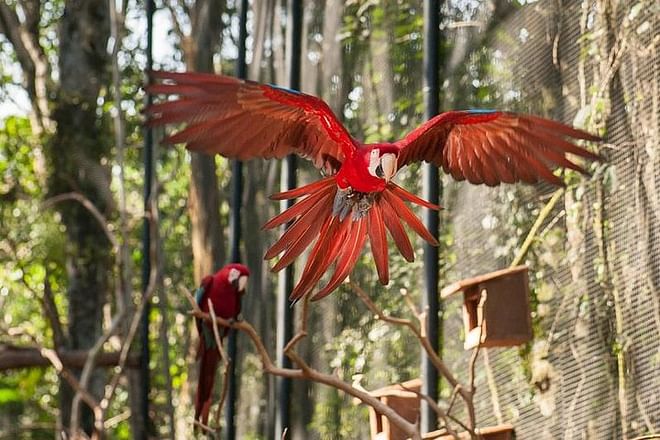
(357, 202)
(224, 289)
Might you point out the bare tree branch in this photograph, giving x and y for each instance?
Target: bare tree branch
(24, 38)
(88, 369)
(305, 371)
(50, 310)
(152, 216)
(12, 357)
(54, 359)
(419, 332)
(87, 204)
(416, 330)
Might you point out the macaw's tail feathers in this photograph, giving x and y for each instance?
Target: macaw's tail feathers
(306, 190)
(341, 232)
(207, 370)
(378, 240)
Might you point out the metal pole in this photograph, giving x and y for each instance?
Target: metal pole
(431, 192)
(235, 237)
(146, 241)
(287, 181)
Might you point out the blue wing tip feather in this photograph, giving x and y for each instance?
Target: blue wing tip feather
(199, 295)
(481, 111)
(285, 89)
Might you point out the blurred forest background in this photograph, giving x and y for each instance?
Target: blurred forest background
(71, 213)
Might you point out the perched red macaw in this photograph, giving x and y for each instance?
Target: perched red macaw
(224, 289)
(358, 199)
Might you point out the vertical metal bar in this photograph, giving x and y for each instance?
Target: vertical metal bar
(235, 233)
(431, 192)
(288, 181)
(146, 240)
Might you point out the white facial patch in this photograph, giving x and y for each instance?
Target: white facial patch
(374, 161)
(233, 275)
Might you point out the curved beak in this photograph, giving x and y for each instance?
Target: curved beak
(388, 164)
(242, 283)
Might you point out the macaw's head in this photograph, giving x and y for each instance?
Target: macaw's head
(382, 161)
(370, 170)
(236, 275)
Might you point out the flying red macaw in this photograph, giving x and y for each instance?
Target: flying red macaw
(225, 289)
(357, 199)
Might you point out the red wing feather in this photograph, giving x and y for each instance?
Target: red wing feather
(408, 216)
(292, 235)
(378, 240)
(412, 198)
(295, 241)
(304, 190)
(299, 208)
(492, 147)
(324, 253)
(244, 119)
(399, 235)
(351, 249)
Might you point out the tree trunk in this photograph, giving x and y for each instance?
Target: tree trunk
(198, 49)
(76, 152)
(204, 201)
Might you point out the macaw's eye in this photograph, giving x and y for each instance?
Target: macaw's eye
(379, 171)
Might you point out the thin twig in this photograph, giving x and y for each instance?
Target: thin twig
(545, 212)
(50, 309)
(433, 356)
(475, 352)
(149, 291)
(87, 204)
(205, 428)
(442, 415)
(225, 360)
(473, 361)
(302, 331)
(409, 302)
(90, 400)
(88, 369)
(216, 332)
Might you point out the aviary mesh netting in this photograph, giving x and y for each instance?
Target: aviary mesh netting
(591, 370)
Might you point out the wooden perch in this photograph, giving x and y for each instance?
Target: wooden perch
(463, 285)
(24, 357)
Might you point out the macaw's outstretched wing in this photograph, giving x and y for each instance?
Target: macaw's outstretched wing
(244, 119)
(337, 228)
(492, 147)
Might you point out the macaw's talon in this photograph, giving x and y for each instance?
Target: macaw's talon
(342, 203)
(363, 204)
(349, 201)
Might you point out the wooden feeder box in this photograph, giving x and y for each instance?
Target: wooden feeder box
(403, 399)
(495, 306)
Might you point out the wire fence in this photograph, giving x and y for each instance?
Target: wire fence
(592, 369)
